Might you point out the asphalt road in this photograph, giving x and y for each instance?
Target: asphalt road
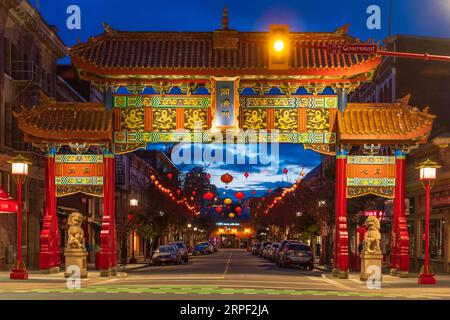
(226, 275)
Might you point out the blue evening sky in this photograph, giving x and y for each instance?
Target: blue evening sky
(429, 18)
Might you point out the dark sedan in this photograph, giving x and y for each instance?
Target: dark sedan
(166, 254)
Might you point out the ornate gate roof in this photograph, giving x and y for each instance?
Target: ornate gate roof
(129, 55)
(61, 122)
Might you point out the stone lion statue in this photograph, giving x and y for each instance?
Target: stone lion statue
(371, 244)
(76, 234)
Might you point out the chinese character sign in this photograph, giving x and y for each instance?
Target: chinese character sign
(370, 174)
(79, 173)
(225, 102)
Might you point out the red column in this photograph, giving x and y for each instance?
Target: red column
(400, 236)
(107, 262)
(341, 234)
(49, 256)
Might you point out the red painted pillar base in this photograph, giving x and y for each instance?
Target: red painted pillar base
(341, 233)
(427, 279)
(49, 255)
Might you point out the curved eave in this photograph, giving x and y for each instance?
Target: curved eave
(419, 135)
(37, 135)
(101, 71)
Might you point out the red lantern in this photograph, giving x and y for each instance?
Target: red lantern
(285, 171)
(208, 175)
(269, 191)
(253, 192)
(130, 217)
(226, 178)
(218, 209)
(170, 176)
(194, 193)
(239, 195)
(178, 192)
(238, 210)
(246, 174)
(208, 195)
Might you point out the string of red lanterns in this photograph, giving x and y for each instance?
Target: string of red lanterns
(168, 193)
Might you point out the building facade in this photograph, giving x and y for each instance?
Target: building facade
(29, 49)
(427, 82)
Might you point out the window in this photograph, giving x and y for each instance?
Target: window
(412, 238)
(8, 125)
(7, 55)
(436, 244)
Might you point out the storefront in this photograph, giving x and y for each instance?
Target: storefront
(439, 232)
(232, 235)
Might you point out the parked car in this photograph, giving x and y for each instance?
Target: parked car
(167, 254)
(272, 252)
(183, 250)
(255, 248)
(266, 250)
(279, 256)
(262, 246)
(297, 254)
(210, 246)
(201, 249)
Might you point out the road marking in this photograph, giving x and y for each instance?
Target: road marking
(335, 283)
(228, 263)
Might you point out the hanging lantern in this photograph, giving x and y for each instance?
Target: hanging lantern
(246, 174)
(226, 178)
(208, 175)
(208, 195)
(253, 192)
(152, 177)
(194, 193)
(227, 201)
(238, 210)
(170, 175)
(231, 215)
(218, 209)
(156, 182)
(285, 171)
(239, 195)
(269, 191)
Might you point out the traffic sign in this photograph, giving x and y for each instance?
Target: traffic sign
(361, 48)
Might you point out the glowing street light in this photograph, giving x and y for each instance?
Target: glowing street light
(278, 45)
(19, 168)
(427, 170)
(134, 202)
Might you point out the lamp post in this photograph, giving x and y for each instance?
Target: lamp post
(19, 168)
(427, 171)
(133, 204)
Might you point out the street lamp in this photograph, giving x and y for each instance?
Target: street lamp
(427, 171)
(19, 168)
(133, 204)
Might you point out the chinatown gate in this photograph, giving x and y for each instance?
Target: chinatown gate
(190, 86)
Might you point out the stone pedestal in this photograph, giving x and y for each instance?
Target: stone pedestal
(367, 261)
(77, 257)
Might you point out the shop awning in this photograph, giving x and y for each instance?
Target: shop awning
(7, 203)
